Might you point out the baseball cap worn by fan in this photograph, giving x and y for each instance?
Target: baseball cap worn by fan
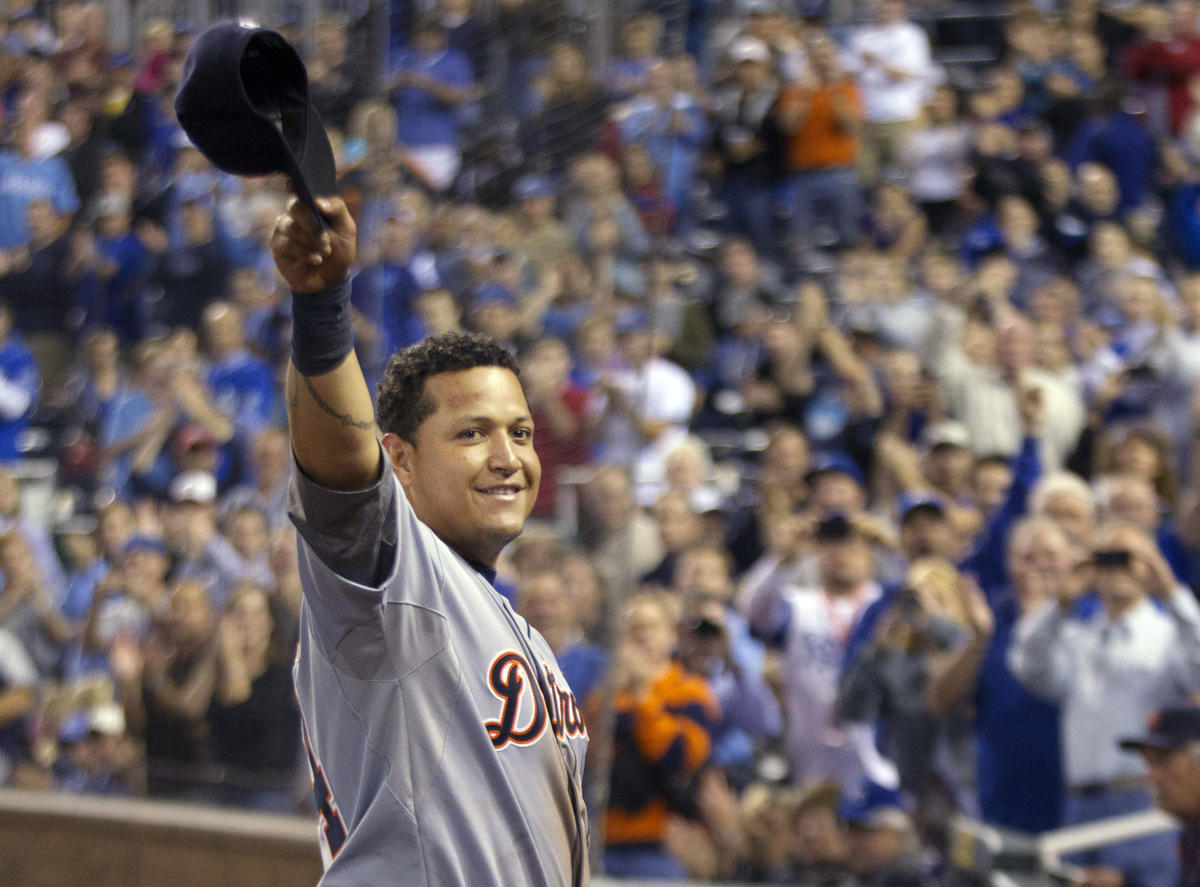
(909, 504)
(1168, 729)
(948, 433)
(875, 806)
(835, 463)
(749, 49)
(194, 486)
(244, 102)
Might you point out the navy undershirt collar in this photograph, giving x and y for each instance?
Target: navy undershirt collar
(486, 572)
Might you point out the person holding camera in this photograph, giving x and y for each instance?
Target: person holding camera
(1108, 671)
(886, 683)
(750, 715)
(811, 626)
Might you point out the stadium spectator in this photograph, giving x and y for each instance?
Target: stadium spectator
(569, 114)
(895, 66)
(1087, 667)
(429, 84)
(28, 607)
(336, 77)
(268, 471)
(1018, 755)
(95, 756)
(543, 599)
(18, 686)
(202, 553)
(811, 626)
(642, 409)
(242, 385)
(624, 543)
(883, 844)
(641, 38)
(821, 119)
(166, 686)
(747, 142)
(14, 518)
(43, 293)
(193, 269)
(130, 595)
(1167, 54)
(670, 125)
(1169, 749)
(679, 529)
(559, 410)
(122, 260)
(26, 175)
(254, 719)
(711, 637)
(934, 159)
(20, 379)
(662, 737)
(885, 682)
(604, 226)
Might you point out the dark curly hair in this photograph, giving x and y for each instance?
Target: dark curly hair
(402, 403)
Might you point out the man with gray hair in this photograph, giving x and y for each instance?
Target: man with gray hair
(1065, 498)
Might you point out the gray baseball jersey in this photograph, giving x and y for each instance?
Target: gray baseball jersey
(445, 744)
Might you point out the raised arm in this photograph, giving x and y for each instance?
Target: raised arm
(331, 419)
(1037, 656)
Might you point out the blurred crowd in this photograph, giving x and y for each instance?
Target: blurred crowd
(865, 385)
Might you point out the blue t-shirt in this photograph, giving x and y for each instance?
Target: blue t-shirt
(421, 118)
(23, 181)
(17, 368)
(124, 308)
(130, 412)
(243, 388)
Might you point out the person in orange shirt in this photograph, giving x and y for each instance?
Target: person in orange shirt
(821, 119)
(662, 737)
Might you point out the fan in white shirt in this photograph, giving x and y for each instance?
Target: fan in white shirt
(1109, 673)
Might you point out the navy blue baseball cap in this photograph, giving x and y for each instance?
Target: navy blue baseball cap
(493, 293)
(875, 806)
(1168, 729)
(244, 102)
(839, 463)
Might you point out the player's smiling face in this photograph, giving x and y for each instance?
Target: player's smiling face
(472, 474)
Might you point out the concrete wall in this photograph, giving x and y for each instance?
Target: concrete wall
(54, 840)
(50, 840)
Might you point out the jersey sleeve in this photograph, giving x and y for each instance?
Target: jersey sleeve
(351, 533)
(372, 574)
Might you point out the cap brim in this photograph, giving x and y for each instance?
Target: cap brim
(1142, 742)
(923, 508)
(313, 172)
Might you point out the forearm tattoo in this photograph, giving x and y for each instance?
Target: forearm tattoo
(345, 419)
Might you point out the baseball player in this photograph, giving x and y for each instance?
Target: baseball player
(445, 744)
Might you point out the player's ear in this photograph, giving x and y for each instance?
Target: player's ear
(400, 453)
